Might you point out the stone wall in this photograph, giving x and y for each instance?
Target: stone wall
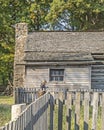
(21, 32)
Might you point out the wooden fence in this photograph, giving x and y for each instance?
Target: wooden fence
(28, 95)
(75, 110)
(83, 112)
(34, 117)
(25, 95)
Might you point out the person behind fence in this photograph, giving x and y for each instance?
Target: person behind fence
(43, 85)
(43, 88)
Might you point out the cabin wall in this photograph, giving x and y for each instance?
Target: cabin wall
(97, 76)
(74, 77)
(78, 76)
(34, 76)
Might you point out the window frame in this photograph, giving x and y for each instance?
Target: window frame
(56, 75)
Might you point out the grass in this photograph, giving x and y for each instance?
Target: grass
(5, 109)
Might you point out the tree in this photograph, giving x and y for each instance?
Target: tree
(31, 11)
(79, 15)
(38, 10)
(6, 42)
(11, 12)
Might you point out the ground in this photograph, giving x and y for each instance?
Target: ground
(5, 109)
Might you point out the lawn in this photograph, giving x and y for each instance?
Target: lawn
(5, 109)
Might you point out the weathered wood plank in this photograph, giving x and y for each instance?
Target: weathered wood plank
(86, 110)
(51, 112)
(42, 121)
(16, 123)
(16, 95)
(97, 76)
(27, 119)
(24, 119)
(2, 128)
(78, 75)
(38, 113)
(34, 76)
(11, 125)
(69, 110)
(95, 111)
(35, 116)
(46, 113)
(60, 111)
(77, 111)
(30, 119)
(21, 121)
(102, 127)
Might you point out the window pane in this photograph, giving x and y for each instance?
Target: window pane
(56, 78)
(51, 78)
(61, 78)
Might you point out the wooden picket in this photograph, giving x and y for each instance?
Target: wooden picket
(68, 111)
(86, 110)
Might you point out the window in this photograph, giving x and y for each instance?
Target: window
(56, 74)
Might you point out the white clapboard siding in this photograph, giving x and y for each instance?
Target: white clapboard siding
(34, 76)
(97, 76)
(78, 75)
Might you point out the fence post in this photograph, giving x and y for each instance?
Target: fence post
(95, 111)
(16, 95)
(16, 110)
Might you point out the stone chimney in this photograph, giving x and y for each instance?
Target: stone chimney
(21, 32)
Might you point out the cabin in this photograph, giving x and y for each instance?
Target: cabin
(73, 60)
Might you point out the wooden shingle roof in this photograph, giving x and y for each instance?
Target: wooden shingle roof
(54, 46)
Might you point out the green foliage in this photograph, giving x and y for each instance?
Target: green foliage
(37, 13)
(6, 42)
(80, 15)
